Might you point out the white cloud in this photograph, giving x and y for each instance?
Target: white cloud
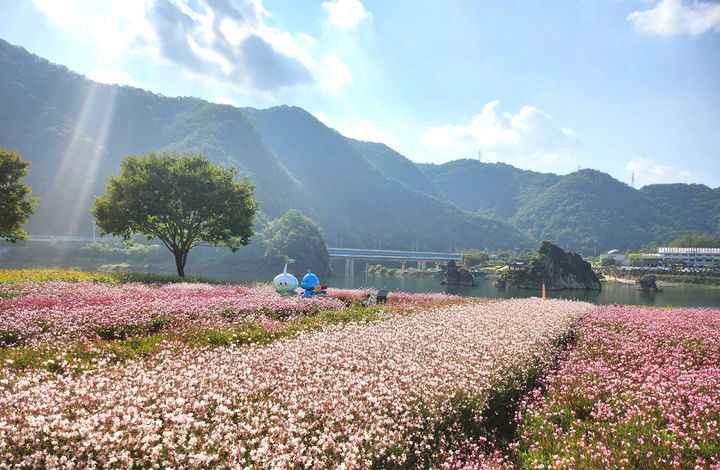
(529, 139)
(113, 77)
(673, 17)
(346, 14)
(230, 42)
(364, 130)
(322, 117)
(221, 40)
(361, 130)
(225, 100)
(115, 27)
(334, 73)
(648, 171)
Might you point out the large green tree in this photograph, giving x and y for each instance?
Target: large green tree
(16, 205)
(183, 200)
(297, 236)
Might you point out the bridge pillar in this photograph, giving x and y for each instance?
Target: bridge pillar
(419, 265)
(437, 265)
(349, 267)
(402, 264)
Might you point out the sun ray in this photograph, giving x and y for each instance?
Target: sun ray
(81, 160)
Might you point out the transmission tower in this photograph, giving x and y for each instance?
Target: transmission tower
(632, 179)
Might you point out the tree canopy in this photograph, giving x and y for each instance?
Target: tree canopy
(16, 205)
(473, 258)
(297, 236)
(696, 240)
(183, 200)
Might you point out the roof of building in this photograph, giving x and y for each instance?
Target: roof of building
(666, 250)
(614, 252)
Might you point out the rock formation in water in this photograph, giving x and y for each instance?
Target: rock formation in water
(554, 267)
(648, 283)
(457, 276)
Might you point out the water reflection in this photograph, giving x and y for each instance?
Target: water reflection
(612, 293)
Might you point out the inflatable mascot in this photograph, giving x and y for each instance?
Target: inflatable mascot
(285, 283)
(311, 286)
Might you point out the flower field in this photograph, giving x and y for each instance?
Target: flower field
(403, 391)
(36, 313)
(640, 390)
(67, 311)
(100, 371)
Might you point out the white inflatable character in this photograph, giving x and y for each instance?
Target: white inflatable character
(285, 283)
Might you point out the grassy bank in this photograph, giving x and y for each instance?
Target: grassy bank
(670, 279)
(39, 275)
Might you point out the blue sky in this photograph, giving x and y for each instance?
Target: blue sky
(616, 85)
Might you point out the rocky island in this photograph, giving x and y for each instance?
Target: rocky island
(457, 275)
(648, 283)
(555, 268)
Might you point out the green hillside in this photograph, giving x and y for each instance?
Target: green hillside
(75, 131)
(355, 201)
(589, 210)
(586, 210)
(691, 205)
(395, 165)
(493, 189)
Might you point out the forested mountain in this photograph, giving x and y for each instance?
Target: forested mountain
(691, 205)
(356, 202)
(493, 189)
(394, 165)
(587, 211)
(75, 131)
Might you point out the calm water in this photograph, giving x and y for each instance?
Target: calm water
(612, 293)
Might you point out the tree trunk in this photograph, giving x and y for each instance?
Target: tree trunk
(180, 260)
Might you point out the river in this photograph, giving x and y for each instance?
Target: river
(612, 292)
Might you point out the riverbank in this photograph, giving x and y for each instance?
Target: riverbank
(670, 280)
(612, 293)
(620, 280)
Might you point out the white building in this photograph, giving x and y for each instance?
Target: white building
(620, 258)
(690, 256)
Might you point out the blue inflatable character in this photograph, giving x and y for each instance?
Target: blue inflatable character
(311, 286)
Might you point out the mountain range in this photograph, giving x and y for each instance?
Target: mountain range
(75, 131)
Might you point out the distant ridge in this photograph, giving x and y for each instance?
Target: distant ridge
(75, 131)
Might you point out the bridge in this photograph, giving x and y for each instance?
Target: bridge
(350, 255)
